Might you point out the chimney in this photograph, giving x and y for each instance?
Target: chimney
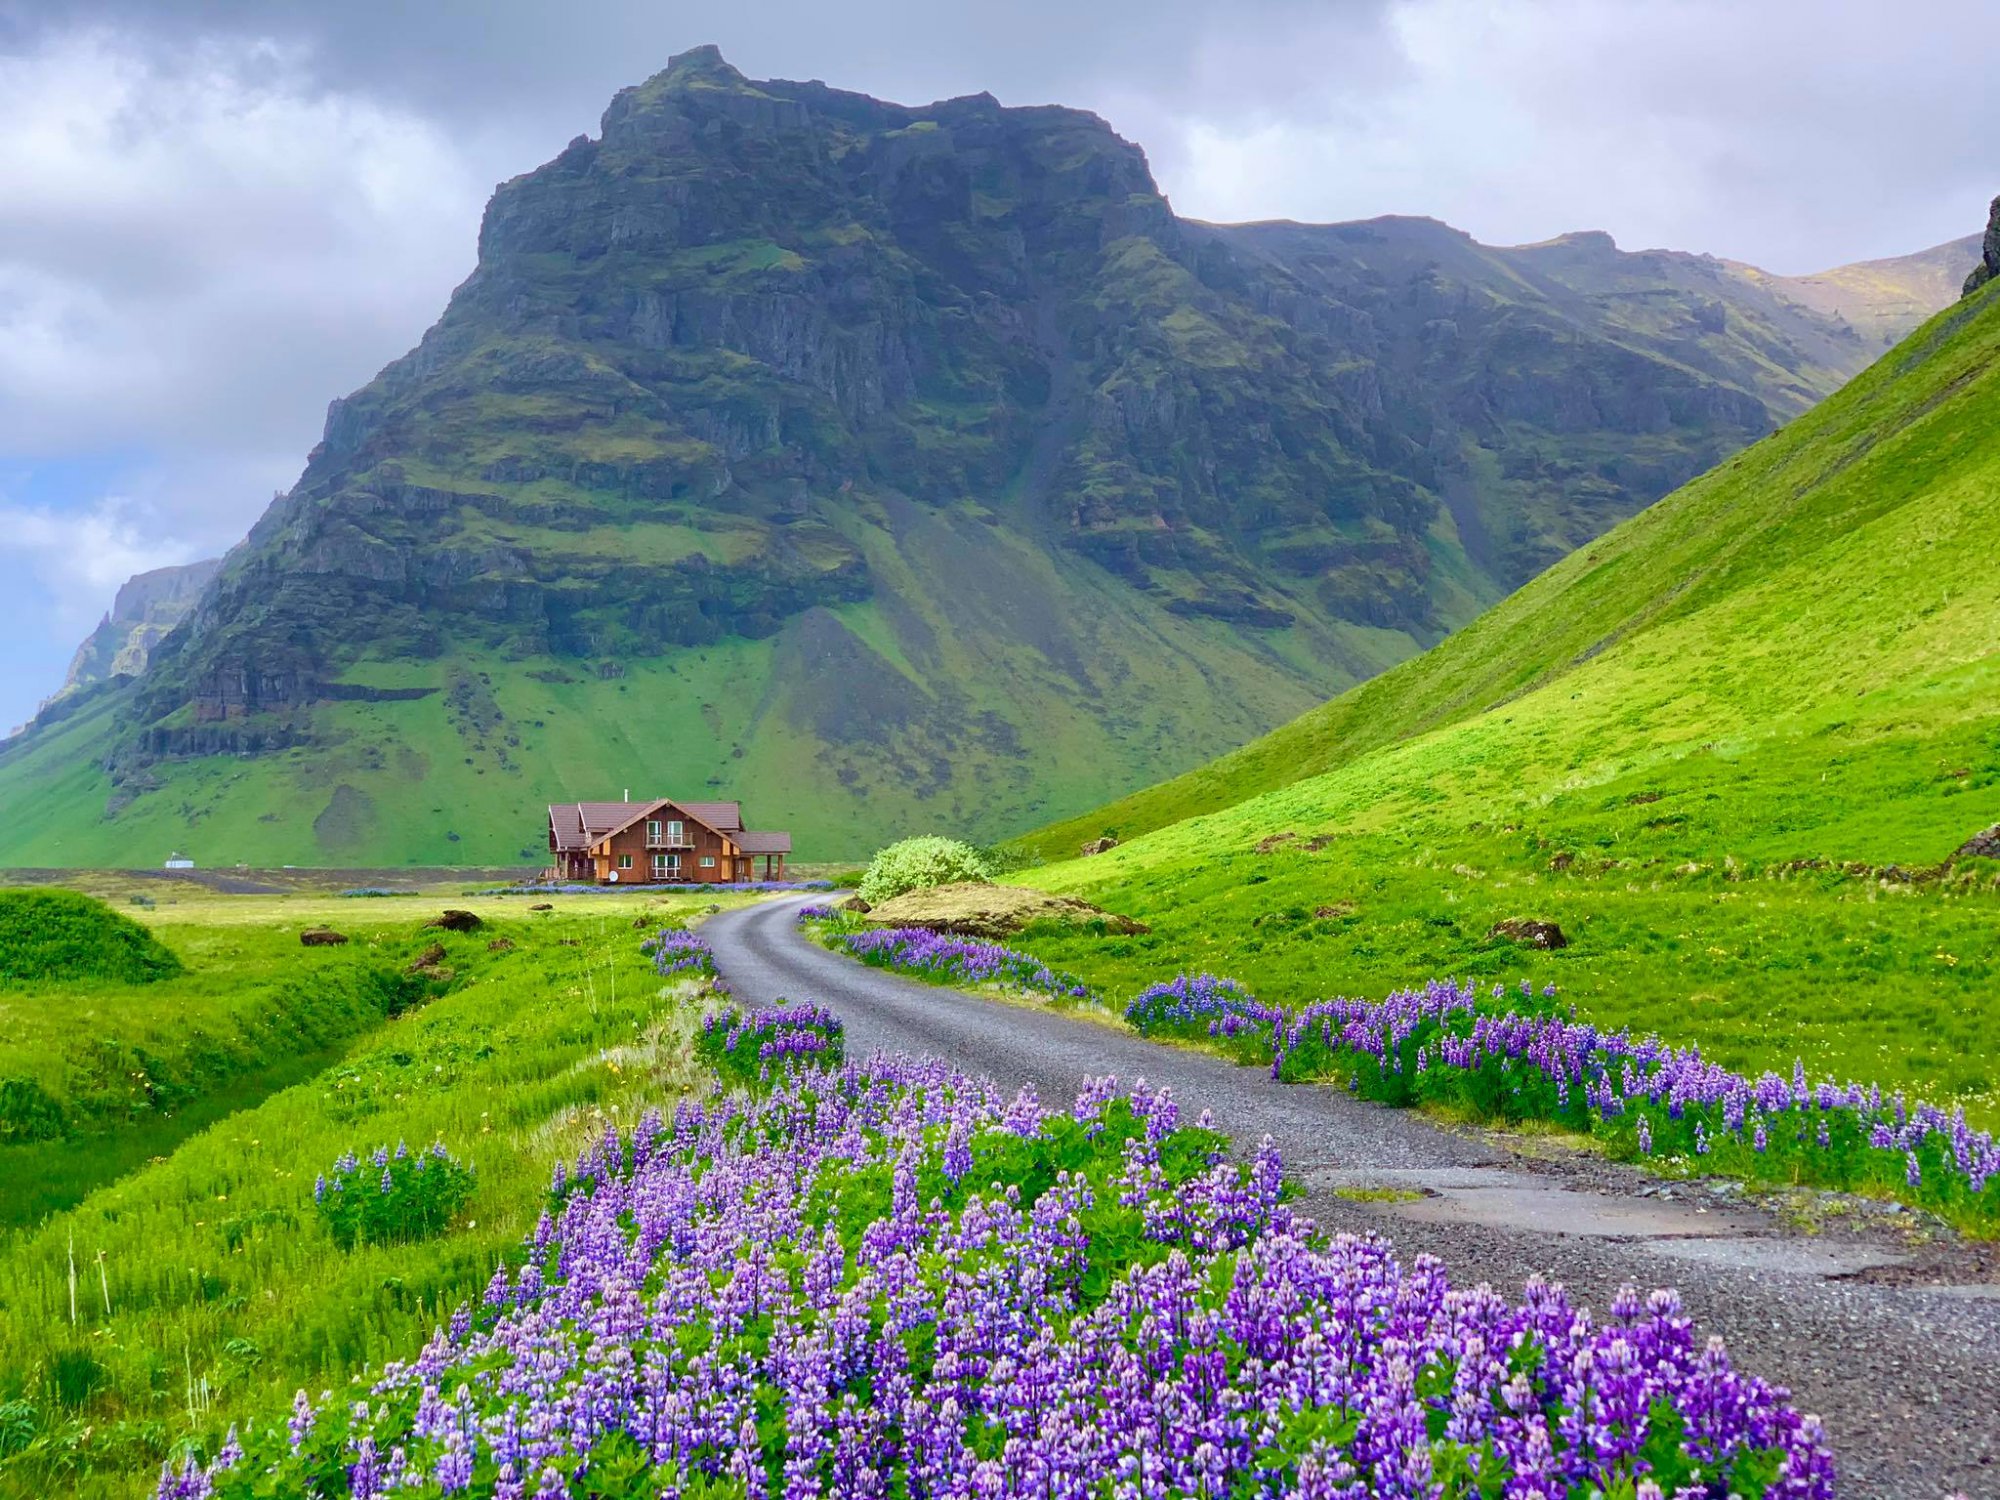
(628, 794)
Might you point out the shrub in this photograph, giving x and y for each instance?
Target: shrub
(58, 935)
(392, 1197)
(913, 864)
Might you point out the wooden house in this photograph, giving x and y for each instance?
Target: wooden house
(662, 842)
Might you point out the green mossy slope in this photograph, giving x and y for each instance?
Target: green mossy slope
(1732, 748)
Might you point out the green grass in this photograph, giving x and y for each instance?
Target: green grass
(204, 1279)
(1696, 744)
(61, 935)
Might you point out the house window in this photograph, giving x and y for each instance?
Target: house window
(708, 861)
(674, 833)
(673, 864)
(624, 861)
(659, 864)
(652, 830)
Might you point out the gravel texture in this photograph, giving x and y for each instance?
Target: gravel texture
(1907, 1376)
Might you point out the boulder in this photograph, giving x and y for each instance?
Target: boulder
(976, 909)
(427, 961)
(856, 905)
(1528, 931)
(1984, 845)
(1100, 846)
(322, 937)
(453, 920)
(542, 906)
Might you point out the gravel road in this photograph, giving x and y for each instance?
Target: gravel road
(1906, 1377)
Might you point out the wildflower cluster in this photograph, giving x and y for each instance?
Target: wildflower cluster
(818, 911)
(945, 959)
(1519, 1056)
(746, 1046)
(678, 951)
(891, 1281)
(391, 1197)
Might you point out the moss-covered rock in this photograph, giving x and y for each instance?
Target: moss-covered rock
(994, 911)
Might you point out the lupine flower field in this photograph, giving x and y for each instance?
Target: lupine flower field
(945, 959)
(1520, 1057)
(889, 1280)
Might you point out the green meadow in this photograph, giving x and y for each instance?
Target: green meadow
(175, 1268)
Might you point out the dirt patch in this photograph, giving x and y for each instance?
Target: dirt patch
(347, 821)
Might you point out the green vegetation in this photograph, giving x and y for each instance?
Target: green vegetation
(60, 935)
(98, 1075)
(1730, 749)
(205, 1280)
(917, 863)
(392, 1197)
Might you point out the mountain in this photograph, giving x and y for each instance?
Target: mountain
(891, 467)
(1882, 300)
(148, 605)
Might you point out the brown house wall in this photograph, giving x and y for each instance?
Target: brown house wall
(706, 844)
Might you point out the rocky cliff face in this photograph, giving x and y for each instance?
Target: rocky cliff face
(147, 606)
(1989, 253)
(953, 390)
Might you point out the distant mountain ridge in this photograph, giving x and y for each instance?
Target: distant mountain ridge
(146, 607)
(890, 467)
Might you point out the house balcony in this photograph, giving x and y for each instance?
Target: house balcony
(667, 841)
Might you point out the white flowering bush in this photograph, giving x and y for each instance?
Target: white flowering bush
(912, 864)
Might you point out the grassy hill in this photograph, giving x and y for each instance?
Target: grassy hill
(1727, 747)
(890, 468)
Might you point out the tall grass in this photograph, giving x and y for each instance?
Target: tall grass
(207, 1279)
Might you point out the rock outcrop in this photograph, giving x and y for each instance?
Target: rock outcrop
(1530, 932)
(147, 606)
(1989, 253)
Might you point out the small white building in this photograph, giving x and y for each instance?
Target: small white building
(179, 861)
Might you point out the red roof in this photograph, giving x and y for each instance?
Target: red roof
(763, 843)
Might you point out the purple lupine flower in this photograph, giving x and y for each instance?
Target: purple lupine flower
(739, 1365)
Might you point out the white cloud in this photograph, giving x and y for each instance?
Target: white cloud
(78, 558)
(201, 247)
(1797, 136)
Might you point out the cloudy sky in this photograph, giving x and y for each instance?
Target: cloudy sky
(217, 214)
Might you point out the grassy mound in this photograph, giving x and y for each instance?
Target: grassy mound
(63, 935)
(972, 909)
